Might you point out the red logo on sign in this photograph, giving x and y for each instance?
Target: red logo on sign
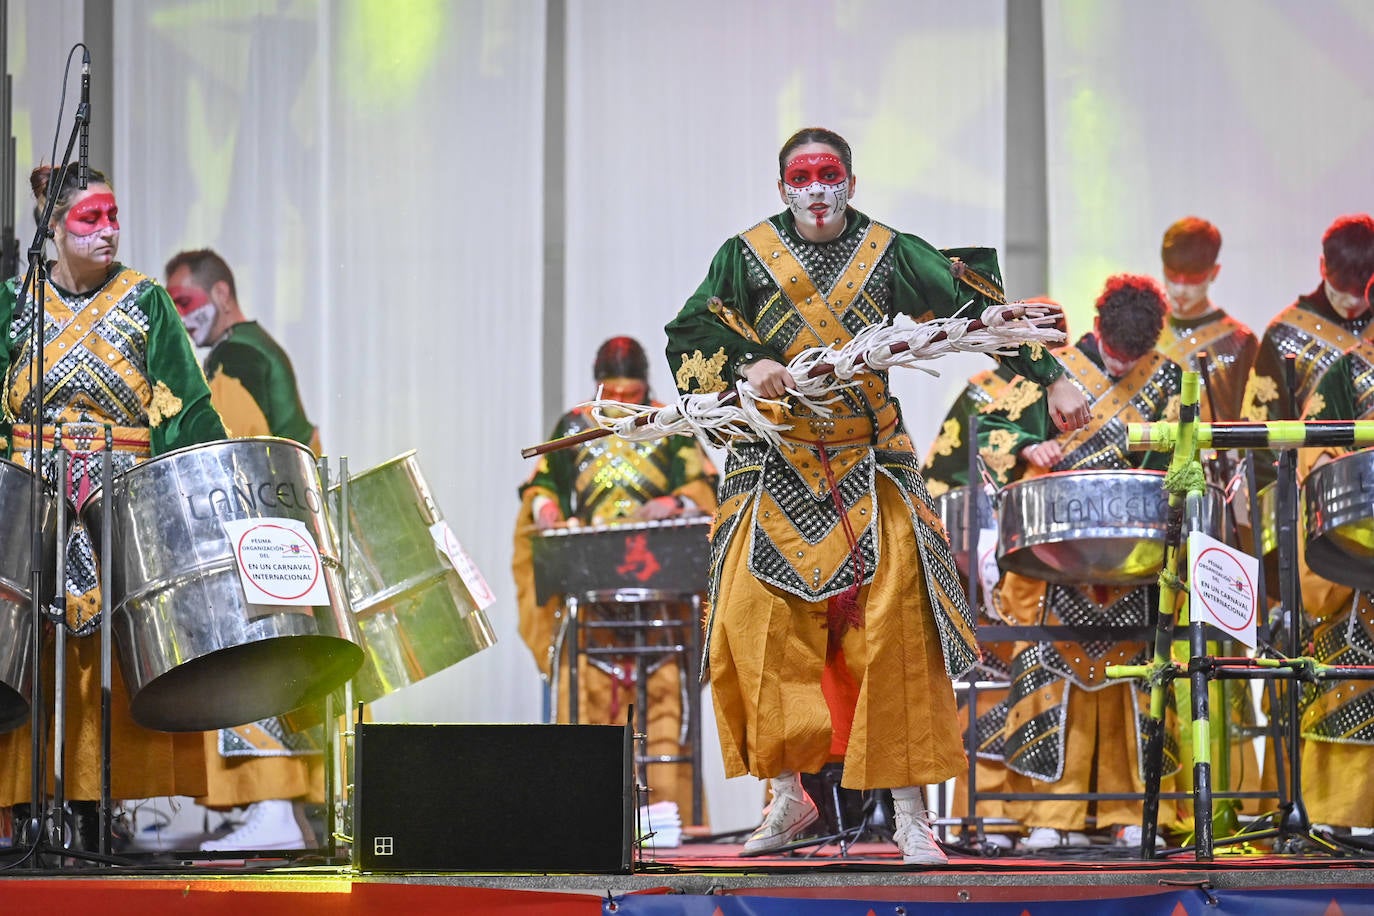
(639, 561)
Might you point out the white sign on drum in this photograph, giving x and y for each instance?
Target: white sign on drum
(449, 546)
(1221, 584)
(278, 561)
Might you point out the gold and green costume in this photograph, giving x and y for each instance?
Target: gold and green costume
(946, 465)
(837, 614)
(946, 468)
(1063, 711)
(1316, 335)
(1230, 347)
(253, 386)
(602, 482)
(1338, 716)
(117, 355)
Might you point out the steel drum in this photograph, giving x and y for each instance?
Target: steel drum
(416, 615)
(16, 584)
(1091, 527)
(1340, 520)
(952, 507)
(196, 654)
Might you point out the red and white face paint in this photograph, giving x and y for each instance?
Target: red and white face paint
(1347, 305)
(196, 310)
(816, 187)
(92, 226)
(1116, 365)
(1188, 292)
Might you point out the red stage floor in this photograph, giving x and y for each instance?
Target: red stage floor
(711, 879)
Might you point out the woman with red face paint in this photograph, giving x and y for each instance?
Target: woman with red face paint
(837, 614)
(116, 354)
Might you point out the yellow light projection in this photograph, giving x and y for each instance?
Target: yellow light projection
(389, 45)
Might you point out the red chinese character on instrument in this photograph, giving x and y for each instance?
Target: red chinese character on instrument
(639, 560)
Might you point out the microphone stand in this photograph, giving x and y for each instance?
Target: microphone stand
(40, 831)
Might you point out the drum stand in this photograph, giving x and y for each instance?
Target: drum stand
(45, 829)
(1185, 498)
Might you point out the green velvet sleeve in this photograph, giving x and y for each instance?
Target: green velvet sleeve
(172, 362)
(703, 352)
(924, 282)
(946, 463)
(1001, 438)
(8, 297)
(1334, 397)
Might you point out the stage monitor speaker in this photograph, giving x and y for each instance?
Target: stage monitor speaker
(504, 798)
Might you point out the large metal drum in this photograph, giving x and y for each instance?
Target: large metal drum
(1340, 520)
(952, 508)
(196, 654)
(1091, 527)
(416, 615)
(16, 587)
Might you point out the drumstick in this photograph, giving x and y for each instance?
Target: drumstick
(730, 395)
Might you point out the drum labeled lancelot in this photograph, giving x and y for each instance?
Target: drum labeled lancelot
(1091, 527)
(196, 654)
(16, 587)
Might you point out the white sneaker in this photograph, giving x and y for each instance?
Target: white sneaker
(1130, 835)
(784, 819)
(1049, 838)
(269, 824)
(916, 839)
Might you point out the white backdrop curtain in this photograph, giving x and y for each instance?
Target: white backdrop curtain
(1253, 114)
(371, 170)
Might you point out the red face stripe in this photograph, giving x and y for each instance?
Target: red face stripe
(814, 168)
(93, 214)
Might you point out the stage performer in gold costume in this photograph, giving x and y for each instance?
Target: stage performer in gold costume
(837, 615)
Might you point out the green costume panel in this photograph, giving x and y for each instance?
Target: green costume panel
(254, 386)
(946, 464)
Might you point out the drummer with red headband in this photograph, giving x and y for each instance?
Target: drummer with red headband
(1064, 714)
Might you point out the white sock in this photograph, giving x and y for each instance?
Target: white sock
(787, 783)
(908, 799)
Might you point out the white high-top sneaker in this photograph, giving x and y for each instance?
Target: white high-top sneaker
(269, 824)
(913, 832)
(790, 812)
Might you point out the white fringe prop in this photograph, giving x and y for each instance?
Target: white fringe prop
(704, 416)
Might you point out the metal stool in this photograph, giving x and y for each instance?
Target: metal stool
(649, 639)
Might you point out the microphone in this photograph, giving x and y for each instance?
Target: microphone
(83, 169)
